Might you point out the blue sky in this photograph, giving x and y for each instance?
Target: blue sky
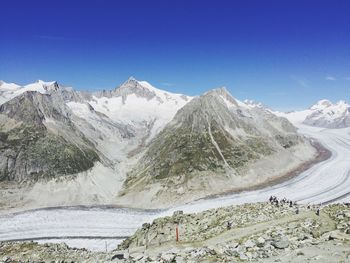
(287, 54)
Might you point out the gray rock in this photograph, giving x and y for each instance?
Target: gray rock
(260, 242)
(281, 244)
(180, 259)
(243, 256)
(249, 243)
(168, 257)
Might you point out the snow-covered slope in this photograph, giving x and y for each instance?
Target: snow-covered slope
(117, 121)
(329, 115)
(139, 104)
(322, 114)
(116, 125)
(9, 91)
(76, 147)
(125, 119)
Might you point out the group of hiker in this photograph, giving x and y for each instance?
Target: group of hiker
(275, 201)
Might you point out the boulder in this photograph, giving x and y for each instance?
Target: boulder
(260, 242)
(249, 244)
(118, 256)
(168, 257)
(281, 244)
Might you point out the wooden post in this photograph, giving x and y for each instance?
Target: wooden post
(177, 233)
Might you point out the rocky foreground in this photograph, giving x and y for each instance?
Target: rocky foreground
(260, 232)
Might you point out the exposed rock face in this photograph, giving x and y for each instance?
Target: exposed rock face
(131, 86)
(48, 130)
(161, 146)
(39, 140)
(212, 134)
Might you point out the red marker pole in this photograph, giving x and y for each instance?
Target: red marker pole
(177, 233)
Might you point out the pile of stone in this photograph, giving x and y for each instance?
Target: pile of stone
(275, 241)
(252, 232)
(201, 226)
(32, 252)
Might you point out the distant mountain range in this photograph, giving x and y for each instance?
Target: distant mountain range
(139, 144)
(323, 114)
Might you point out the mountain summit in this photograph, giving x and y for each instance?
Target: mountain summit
(326, 114)
(137, 142)
(214, 143)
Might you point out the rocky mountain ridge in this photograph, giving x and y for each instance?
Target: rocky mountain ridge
(213, 142)
(39, 139)
(145, 141)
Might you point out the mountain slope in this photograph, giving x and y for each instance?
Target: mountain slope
(214, 141)
(39, 140)
(163, 148)
(114, 124)
(95, 137)
(139, 104)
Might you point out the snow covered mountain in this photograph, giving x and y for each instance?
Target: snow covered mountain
(215, 143)
(138, 108)
(9, 91)
(329, 115)
(115, 124)
(322, 114)
(134, 142)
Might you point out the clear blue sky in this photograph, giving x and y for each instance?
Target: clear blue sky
(285, 53)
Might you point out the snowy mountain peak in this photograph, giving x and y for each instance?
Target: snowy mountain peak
(220, 90)
(254, 103)
(134, 83)
(46, 82)
(134, 87)
(321, 104)
(4, 83)
(41, 86)
(342, 103)
(130, 81)
(8, 86)
(327, 105)
(224, 94)
(323, 114)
